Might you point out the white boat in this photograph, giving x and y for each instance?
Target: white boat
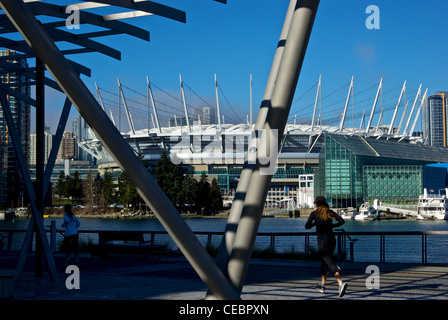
(347, 215)
(366, 212)
(433, 206)
(360, 216)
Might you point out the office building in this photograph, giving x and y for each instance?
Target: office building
(82, 132)
(21, 116)
(69, 146)
(435, 130)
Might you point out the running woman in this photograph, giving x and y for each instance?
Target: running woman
(322, 218)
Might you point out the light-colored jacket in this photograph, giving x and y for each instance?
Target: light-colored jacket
(71, 225)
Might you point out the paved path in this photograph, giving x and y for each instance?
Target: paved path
(172, 278)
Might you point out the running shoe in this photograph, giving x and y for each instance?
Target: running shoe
(320, 287)
(342, 288)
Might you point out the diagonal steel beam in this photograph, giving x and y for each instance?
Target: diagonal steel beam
(121, 151)
(238, 203)
(36, 220)
(275, 122)
(56, 144)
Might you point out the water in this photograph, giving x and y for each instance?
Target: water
(218, 224)
(367, 248)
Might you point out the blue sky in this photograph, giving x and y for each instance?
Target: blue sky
(239, 38)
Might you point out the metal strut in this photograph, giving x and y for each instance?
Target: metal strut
(121, 151)
(248, 205)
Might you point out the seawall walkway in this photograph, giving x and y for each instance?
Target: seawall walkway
(172, 278)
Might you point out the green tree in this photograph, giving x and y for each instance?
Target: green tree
(170, 179)
(215, 195)
(189, 189)
(75, 187)
(59, 188)
(88, 190)
(92, 190)
(108, 189)
(127, 194)
(203, 192)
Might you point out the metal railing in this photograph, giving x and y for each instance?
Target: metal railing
(369, 246)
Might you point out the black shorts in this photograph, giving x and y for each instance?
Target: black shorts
(70, 243)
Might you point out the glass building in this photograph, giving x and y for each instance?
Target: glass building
(11, 185)
(354, 169)
(435, 120)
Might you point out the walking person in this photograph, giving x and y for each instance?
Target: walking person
(71, 224)
(322, 218)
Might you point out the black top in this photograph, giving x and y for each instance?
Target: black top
(323, 226)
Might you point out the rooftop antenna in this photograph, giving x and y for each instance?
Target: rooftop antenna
(380, 88)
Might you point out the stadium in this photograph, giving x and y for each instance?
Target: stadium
(338, 161)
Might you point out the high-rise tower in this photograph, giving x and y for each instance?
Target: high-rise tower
(435, 124)
(12, 189)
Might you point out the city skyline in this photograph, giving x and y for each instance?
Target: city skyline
(239, 39)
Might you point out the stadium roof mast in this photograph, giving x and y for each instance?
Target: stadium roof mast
(151, 98)
(37, 36)
(405, 131)
(380, 87)
(217, 104)
(403, 90)
(418, 112)
(350, 89)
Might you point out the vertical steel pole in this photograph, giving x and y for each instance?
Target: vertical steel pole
(276, 117)
(40, 155)
(123, 154)
(36, 219)
(56, 143)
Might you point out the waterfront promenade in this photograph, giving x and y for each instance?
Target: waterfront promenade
(172, 278)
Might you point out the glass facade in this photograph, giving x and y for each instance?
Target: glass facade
(401, 184)
(353, 169)
(393, 184)
(339, 178)
(435, 121)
